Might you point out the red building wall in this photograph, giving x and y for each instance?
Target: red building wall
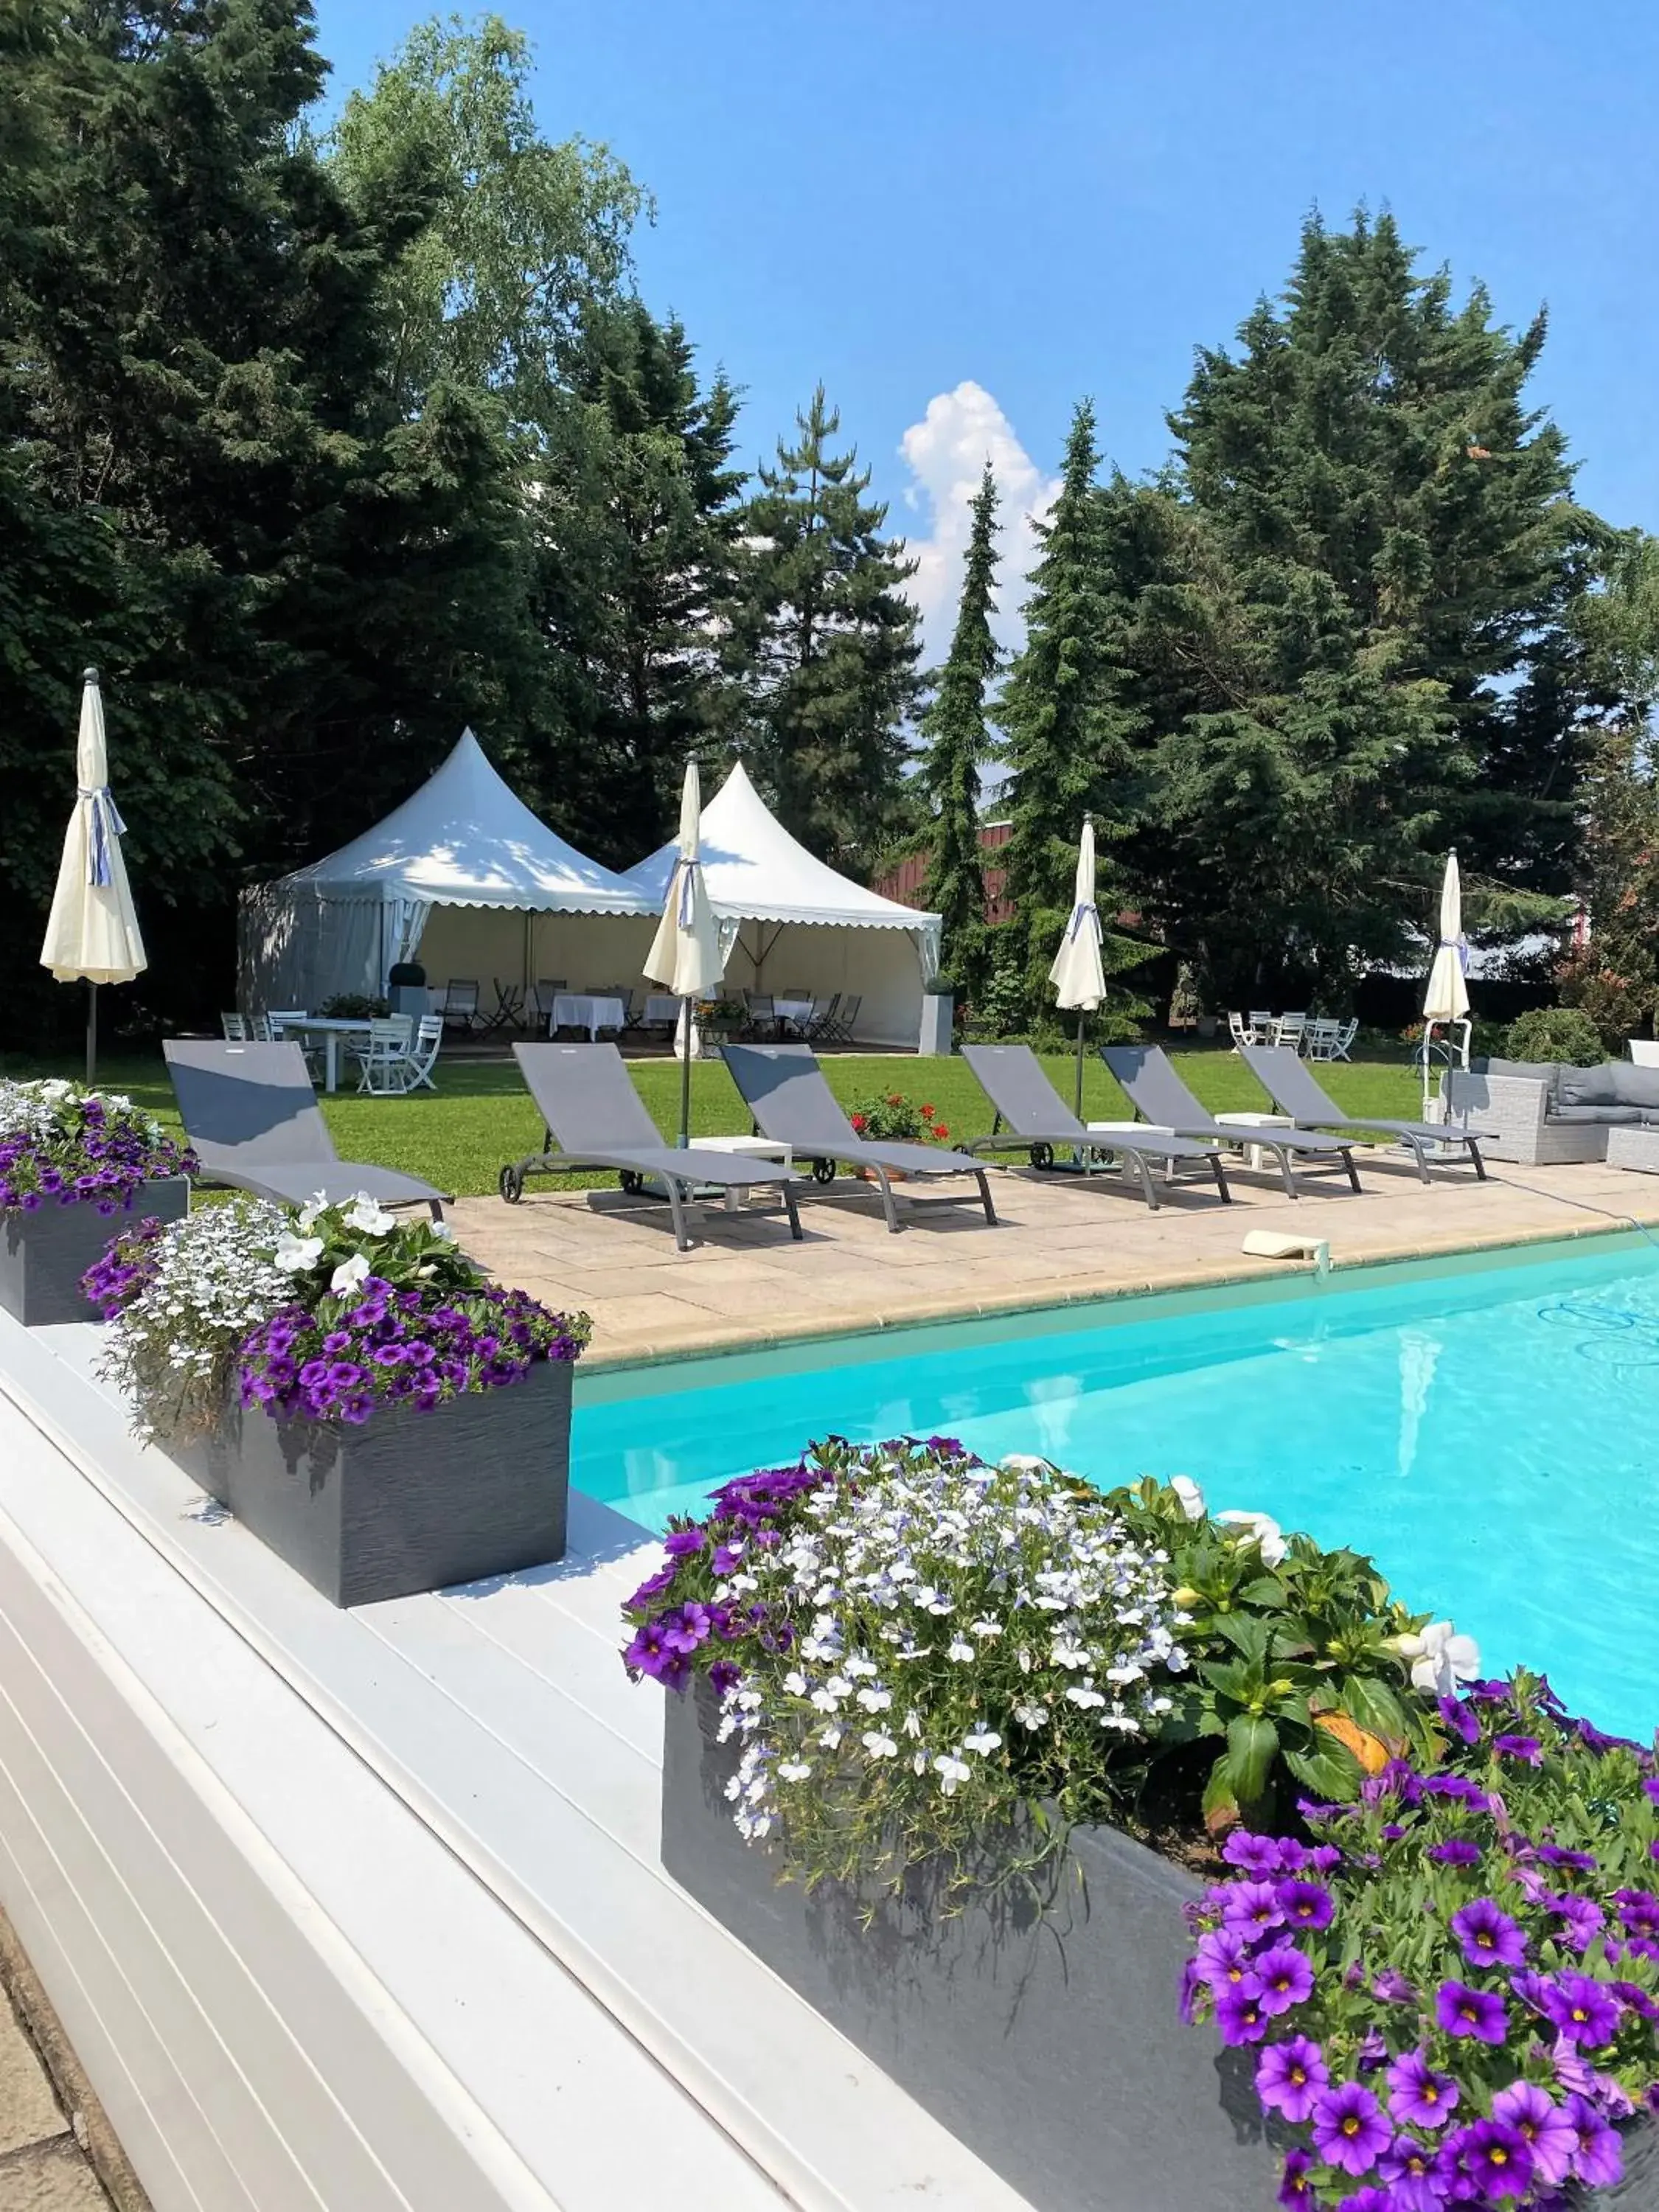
(905, 882)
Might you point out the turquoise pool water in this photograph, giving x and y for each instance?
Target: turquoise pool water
(1488, 1431)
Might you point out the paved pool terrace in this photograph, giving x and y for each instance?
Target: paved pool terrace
(1060, 1239)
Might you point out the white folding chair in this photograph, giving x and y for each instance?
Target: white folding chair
(1290, 1030)
(258, 1030)
(423, 1051)
(1320, 1037)
(1345, 1033)
(384, 1061)
(1242, 1032)
(234, 1027)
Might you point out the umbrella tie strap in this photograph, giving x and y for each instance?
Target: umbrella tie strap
(1082, 915)
(106, 827)
(688, 893)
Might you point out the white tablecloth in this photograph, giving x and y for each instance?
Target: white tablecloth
(573, 1010)
(662, 1007)
(793, 1010)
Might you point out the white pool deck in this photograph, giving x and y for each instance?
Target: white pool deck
(365, 1909)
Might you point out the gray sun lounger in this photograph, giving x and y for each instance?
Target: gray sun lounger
(1037, 1118)
(1292, 1087)
(783, 1087)
(1147, 1074)
(587, 1100)
(253, 1121)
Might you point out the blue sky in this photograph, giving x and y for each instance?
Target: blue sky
(964, 216)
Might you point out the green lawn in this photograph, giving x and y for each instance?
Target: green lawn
(481, 1115)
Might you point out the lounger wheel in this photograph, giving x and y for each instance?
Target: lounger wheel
(632, 1181)
(512, 1184)
(823, 1171)
(1042, 1156)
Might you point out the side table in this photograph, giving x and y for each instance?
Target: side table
(1254, 1156)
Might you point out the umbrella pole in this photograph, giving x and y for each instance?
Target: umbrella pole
(92, 1033)
(685, 1075)
(1078, 1103)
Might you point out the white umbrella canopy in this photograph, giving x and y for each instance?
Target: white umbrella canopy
(1447, 999)
(1078, 978)
(685, 952)
(92, 931)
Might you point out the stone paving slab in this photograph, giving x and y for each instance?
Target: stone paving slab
(57, 2150)
(1059, 1239)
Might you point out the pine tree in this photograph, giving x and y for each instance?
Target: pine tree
(1340, 615)
(637, 512)
(956, 741)
(1067, 737)
(826, 637)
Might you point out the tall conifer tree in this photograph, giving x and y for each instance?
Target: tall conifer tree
(956, 742)
(827, 639)
(1067, 737)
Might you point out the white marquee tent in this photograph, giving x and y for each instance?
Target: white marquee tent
(788, 920)
(462, 876)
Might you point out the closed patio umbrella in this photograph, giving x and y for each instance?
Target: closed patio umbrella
(685, 952)
(1447, 998)
(92, 931)
(1078, 978)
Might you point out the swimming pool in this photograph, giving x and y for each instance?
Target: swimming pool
(1487, 1429)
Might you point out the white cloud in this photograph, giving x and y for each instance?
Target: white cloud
(946, 453)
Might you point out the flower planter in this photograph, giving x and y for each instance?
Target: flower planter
(1048, 2041)
(44, 1254)
(408, 1501)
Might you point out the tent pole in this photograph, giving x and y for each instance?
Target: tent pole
(92, 1033)
(685, 1075)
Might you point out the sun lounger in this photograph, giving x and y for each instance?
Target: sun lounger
(1295, 1091)
(1037, 1118)
(253, 1120)
(783, 1087)
(1147, 1074)
(587, 1100)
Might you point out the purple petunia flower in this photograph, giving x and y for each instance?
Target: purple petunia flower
(1650, 1789)
(1284, 1979)
(1542, 2125)
(1226, 1959)
(1255, 1906)
(1460, 2010)
(1638, 1909)
(723, 1675)
(1487, 2161)
(1407, 2169)
(1296, 2190)
(1582, 1920)
(1305, 1904)
(1390, 1986)
(1239, 2016)
(1460, 1720)
(1290, 2075)
(1555, 1855)
(1599, 2161)
(1418, 2097)
(1457, 1786)
(1260, 1855)
(1370, 2199)
(1487, 1935)
(1584, 2011)
(1455, 1851)
(1526, 1748)
(1349, 2131)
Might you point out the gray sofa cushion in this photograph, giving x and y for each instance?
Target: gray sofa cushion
(1535, 1071)
(1607, 1117)
(1590, 1086)
(1636, 1086)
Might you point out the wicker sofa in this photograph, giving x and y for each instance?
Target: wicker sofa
(1540, 1112)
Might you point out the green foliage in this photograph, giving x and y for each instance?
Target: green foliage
(826, 641)
(1340, 620)
(1296, 1673)
(353, 1007)
(1556, 1033)
(891, 1116)
(955, 741)
(1613, 979)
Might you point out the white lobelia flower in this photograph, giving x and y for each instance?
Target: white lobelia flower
(1191, 1497)
(795, 1682)
(793, 1770)
(1260, 1529)
(1031, 1716)
(1440, 1658)
(1086, 1698)
(369, 1217)
(348, 1274)
(879, 1744)
(856, 1665)
(950, 1770)
(294, 1254)
(960, 1648)
(983, 1739)
(875, 1701)
(913, 1724)
(1066, 1653)
(443, 1231)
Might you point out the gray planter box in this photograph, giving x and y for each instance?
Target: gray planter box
(410, 1501)
(44, 1254)
(1049, 2040)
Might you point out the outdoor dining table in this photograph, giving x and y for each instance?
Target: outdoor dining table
(576, 1010)
(796, 1011)
(331, 1031)
(662, 1011)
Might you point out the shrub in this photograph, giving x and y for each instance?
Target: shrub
(353, 1007)
(890, 1117)
(1558, 1033)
